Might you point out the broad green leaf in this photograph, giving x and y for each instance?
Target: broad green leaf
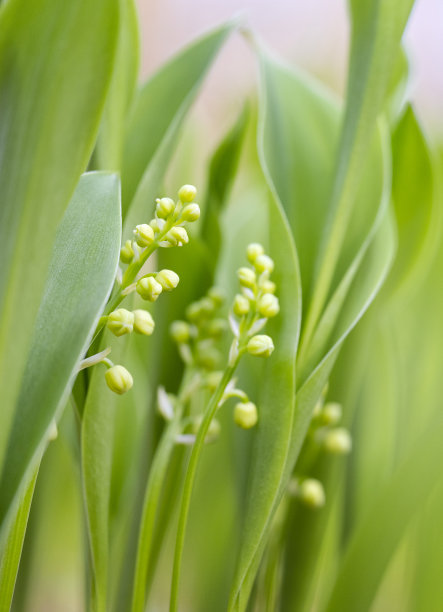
(385, 522)
(53, 82)
(11, 553)
(156, 118)
(109, 148)
(80, 277)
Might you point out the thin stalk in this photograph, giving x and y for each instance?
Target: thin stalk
(190, 479)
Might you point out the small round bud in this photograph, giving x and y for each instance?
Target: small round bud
(246, 276)
(263, 263)
(167, 279)
(148, 288)
(245, 414)
(119, 379)
(268, 305)
(157, 225)
(312, 493)
(206, 355)
(260, 345)
(206, 305)
(216, 327)
(216, 295)
(253, 250)
(267, 286)
(213, 380)
(180, 331)
(177, 236)
(164, 207)
(187, 193)
(143, 322)
(127, 252)
(241, 305)
(144, 235)
(191, 212)
(120, 322)
(331, 413)
(338, 441)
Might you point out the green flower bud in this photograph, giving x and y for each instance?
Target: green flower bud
(143, 322)
(241, 305)
(260, 346)
(119, 379)
(191, 212)
(213, 431)
(253, 250)
(312, 493)
(267, 286)
(164, 208)
(216, 295)
(268, 305)
(246, 276)
(213, 380)
(120, 322)
(144, 235)
(206, 305)
(206, 355)
(148, 288)
(177, 236)
(245, 414)
(331, 413)
(187, 193)
(127, 252)
(338, 441)
(157, 225)
(264, 263)
(216, 327)
(167, 279)
(180, 331)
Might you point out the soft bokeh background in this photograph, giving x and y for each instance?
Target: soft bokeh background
(313, 34)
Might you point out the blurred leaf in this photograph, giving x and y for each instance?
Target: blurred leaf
(156, 118)
(53, 82)
(80, 278)
(109, 148)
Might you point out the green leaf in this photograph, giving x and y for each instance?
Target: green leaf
(53, 82)
(81, 275)
(109, 148)
(156, 119)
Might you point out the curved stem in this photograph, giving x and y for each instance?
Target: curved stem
(189, 481)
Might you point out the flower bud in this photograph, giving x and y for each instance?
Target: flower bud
(338, 441)
(191, 212)
(245, 414)
(246, 276)
(206, 355)
(213, 379)
(268, 305)
(119, 379)
(164, 207)
(177, 236)
(216, 327)
(331, 413)
(148, 288)
(312, 493)
(260, 346)
(180, 331)
(120, 322)
(127, 252)
(143, 322)
(263, 263)
(144, 235)
(216, 295)
(187, 193)
(253, 250)
(241, 305)
(157, 225)
(267, 286)
(167, 279)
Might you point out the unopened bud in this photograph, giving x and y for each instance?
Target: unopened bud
(191, 212)
(331, 413)
(245, 415)
(120, 322)
(241, 305)
(144, 235)
(260, 346)
(338, 441)
(180, 331)
(187, 193)
(213, 380)
(267, 286)
(177, 236)
(148, 288)
(143, 322)
(216, 327)
(167, 279)
(216, 295)
(263, 263)
(119, 379)
(268, 305)
(246, 276)
(253, 250)
(127, 252)
(164, 207)
(312, 493)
